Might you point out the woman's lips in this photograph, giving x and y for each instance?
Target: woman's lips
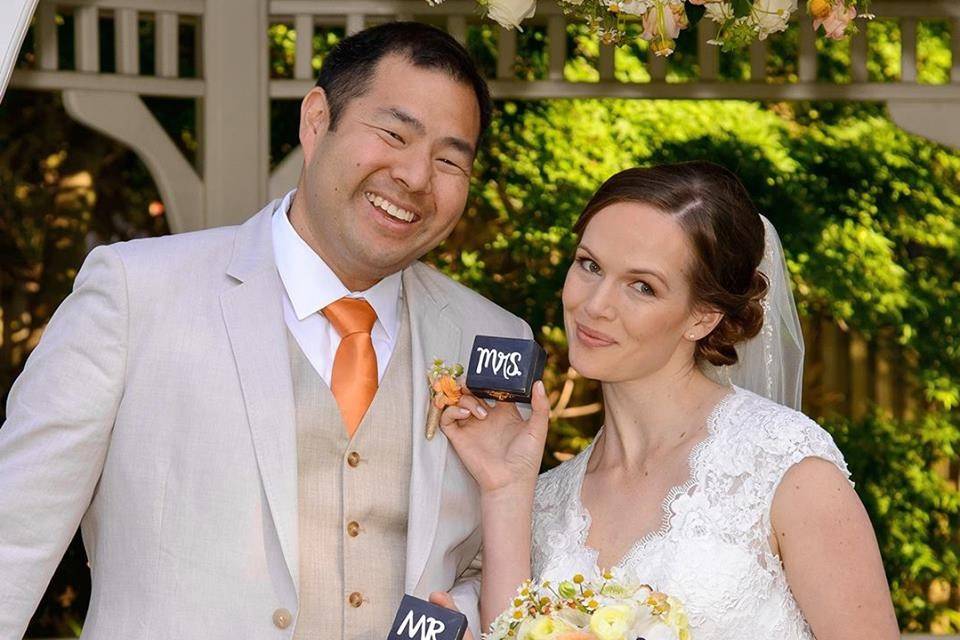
(592, 338)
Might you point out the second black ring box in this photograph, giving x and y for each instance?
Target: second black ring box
(505, 368)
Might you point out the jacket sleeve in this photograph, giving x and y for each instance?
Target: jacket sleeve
(60, 415)
(466, 593)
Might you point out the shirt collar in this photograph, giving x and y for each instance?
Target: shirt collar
(311, 285)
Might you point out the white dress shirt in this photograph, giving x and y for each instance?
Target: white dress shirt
(310, 285)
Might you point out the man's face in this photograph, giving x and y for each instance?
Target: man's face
(391, 181)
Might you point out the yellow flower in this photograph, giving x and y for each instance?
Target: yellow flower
(578, 579)
(677, 618)
(819, 8)
(611, 622)
(543, 628)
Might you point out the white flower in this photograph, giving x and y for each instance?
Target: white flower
(632, 7)
(771, 16)
(510, 13)
(719, 12)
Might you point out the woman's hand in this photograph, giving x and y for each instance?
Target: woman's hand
(498, 447)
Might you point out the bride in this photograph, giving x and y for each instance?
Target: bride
(700, 482)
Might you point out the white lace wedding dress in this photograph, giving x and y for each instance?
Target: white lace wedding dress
(712, 550)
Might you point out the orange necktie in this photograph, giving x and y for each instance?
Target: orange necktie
(354, 379)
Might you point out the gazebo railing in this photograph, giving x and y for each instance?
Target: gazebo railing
(233, 87)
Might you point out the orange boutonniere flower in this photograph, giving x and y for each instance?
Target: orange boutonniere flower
(445, 391)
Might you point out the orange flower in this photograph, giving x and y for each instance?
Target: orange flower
(446, 392)
(576, 635)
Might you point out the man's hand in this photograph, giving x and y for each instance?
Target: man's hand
(444, 599)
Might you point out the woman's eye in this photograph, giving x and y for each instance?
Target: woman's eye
(644, 288)
(589, 265)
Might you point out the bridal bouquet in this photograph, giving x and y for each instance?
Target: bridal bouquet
(577, 609)
(740, 21)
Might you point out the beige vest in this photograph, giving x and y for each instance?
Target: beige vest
(353, 502)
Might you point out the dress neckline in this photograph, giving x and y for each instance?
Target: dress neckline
(693, 458)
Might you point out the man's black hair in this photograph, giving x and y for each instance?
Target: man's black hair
(349, 67)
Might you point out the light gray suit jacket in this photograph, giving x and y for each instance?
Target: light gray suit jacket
(157, 412)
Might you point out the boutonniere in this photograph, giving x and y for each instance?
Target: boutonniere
(445, 391)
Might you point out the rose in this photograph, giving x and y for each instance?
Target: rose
(677, 618)
(661, 24)
(835, 23)
(611, 622)
(543, 628)
(510, 13)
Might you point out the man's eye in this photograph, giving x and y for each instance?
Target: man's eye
(451, 163)
(393, 134)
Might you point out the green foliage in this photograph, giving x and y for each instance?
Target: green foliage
(915, 511)
(63, 190)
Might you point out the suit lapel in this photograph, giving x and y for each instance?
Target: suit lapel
(253, 315)
(433, 335)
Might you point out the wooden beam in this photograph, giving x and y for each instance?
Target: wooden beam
(49, 48)
(127, 39)
(908, 50)
(86, 38)
(167, 46)
(858, 55)
(235, 110)
(606, 65)
(114, 82)
(506, 52)
(303, 60)
(457, 27)
(557, 46)
(807, 62)
(758, 61)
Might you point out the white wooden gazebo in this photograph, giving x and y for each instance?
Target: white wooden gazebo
(234, 88)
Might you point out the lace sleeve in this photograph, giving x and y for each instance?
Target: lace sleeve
(797, 438)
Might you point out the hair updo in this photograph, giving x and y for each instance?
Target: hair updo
(726, 236)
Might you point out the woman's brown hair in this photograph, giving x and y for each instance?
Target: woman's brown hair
(725, 232)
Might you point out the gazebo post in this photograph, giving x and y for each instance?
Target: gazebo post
(235, 110)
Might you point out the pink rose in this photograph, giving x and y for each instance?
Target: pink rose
(658, 23)
(835, 23)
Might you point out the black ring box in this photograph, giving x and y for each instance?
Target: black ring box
(505, 368)
(418, 619)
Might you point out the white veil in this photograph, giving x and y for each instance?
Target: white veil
(771, 363)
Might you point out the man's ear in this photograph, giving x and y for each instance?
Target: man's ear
(314, 119)
(702, 323)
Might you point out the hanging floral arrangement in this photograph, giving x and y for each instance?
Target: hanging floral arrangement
(740, 21)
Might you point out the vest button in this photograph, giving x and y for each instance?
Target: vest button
(355, 599)
(282, 618)
(353, 459)
(353, 529)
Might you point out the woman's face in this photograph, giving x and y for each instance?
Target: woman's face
(626, 299)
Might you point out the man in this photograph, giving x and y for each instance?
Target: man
(237, 415)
